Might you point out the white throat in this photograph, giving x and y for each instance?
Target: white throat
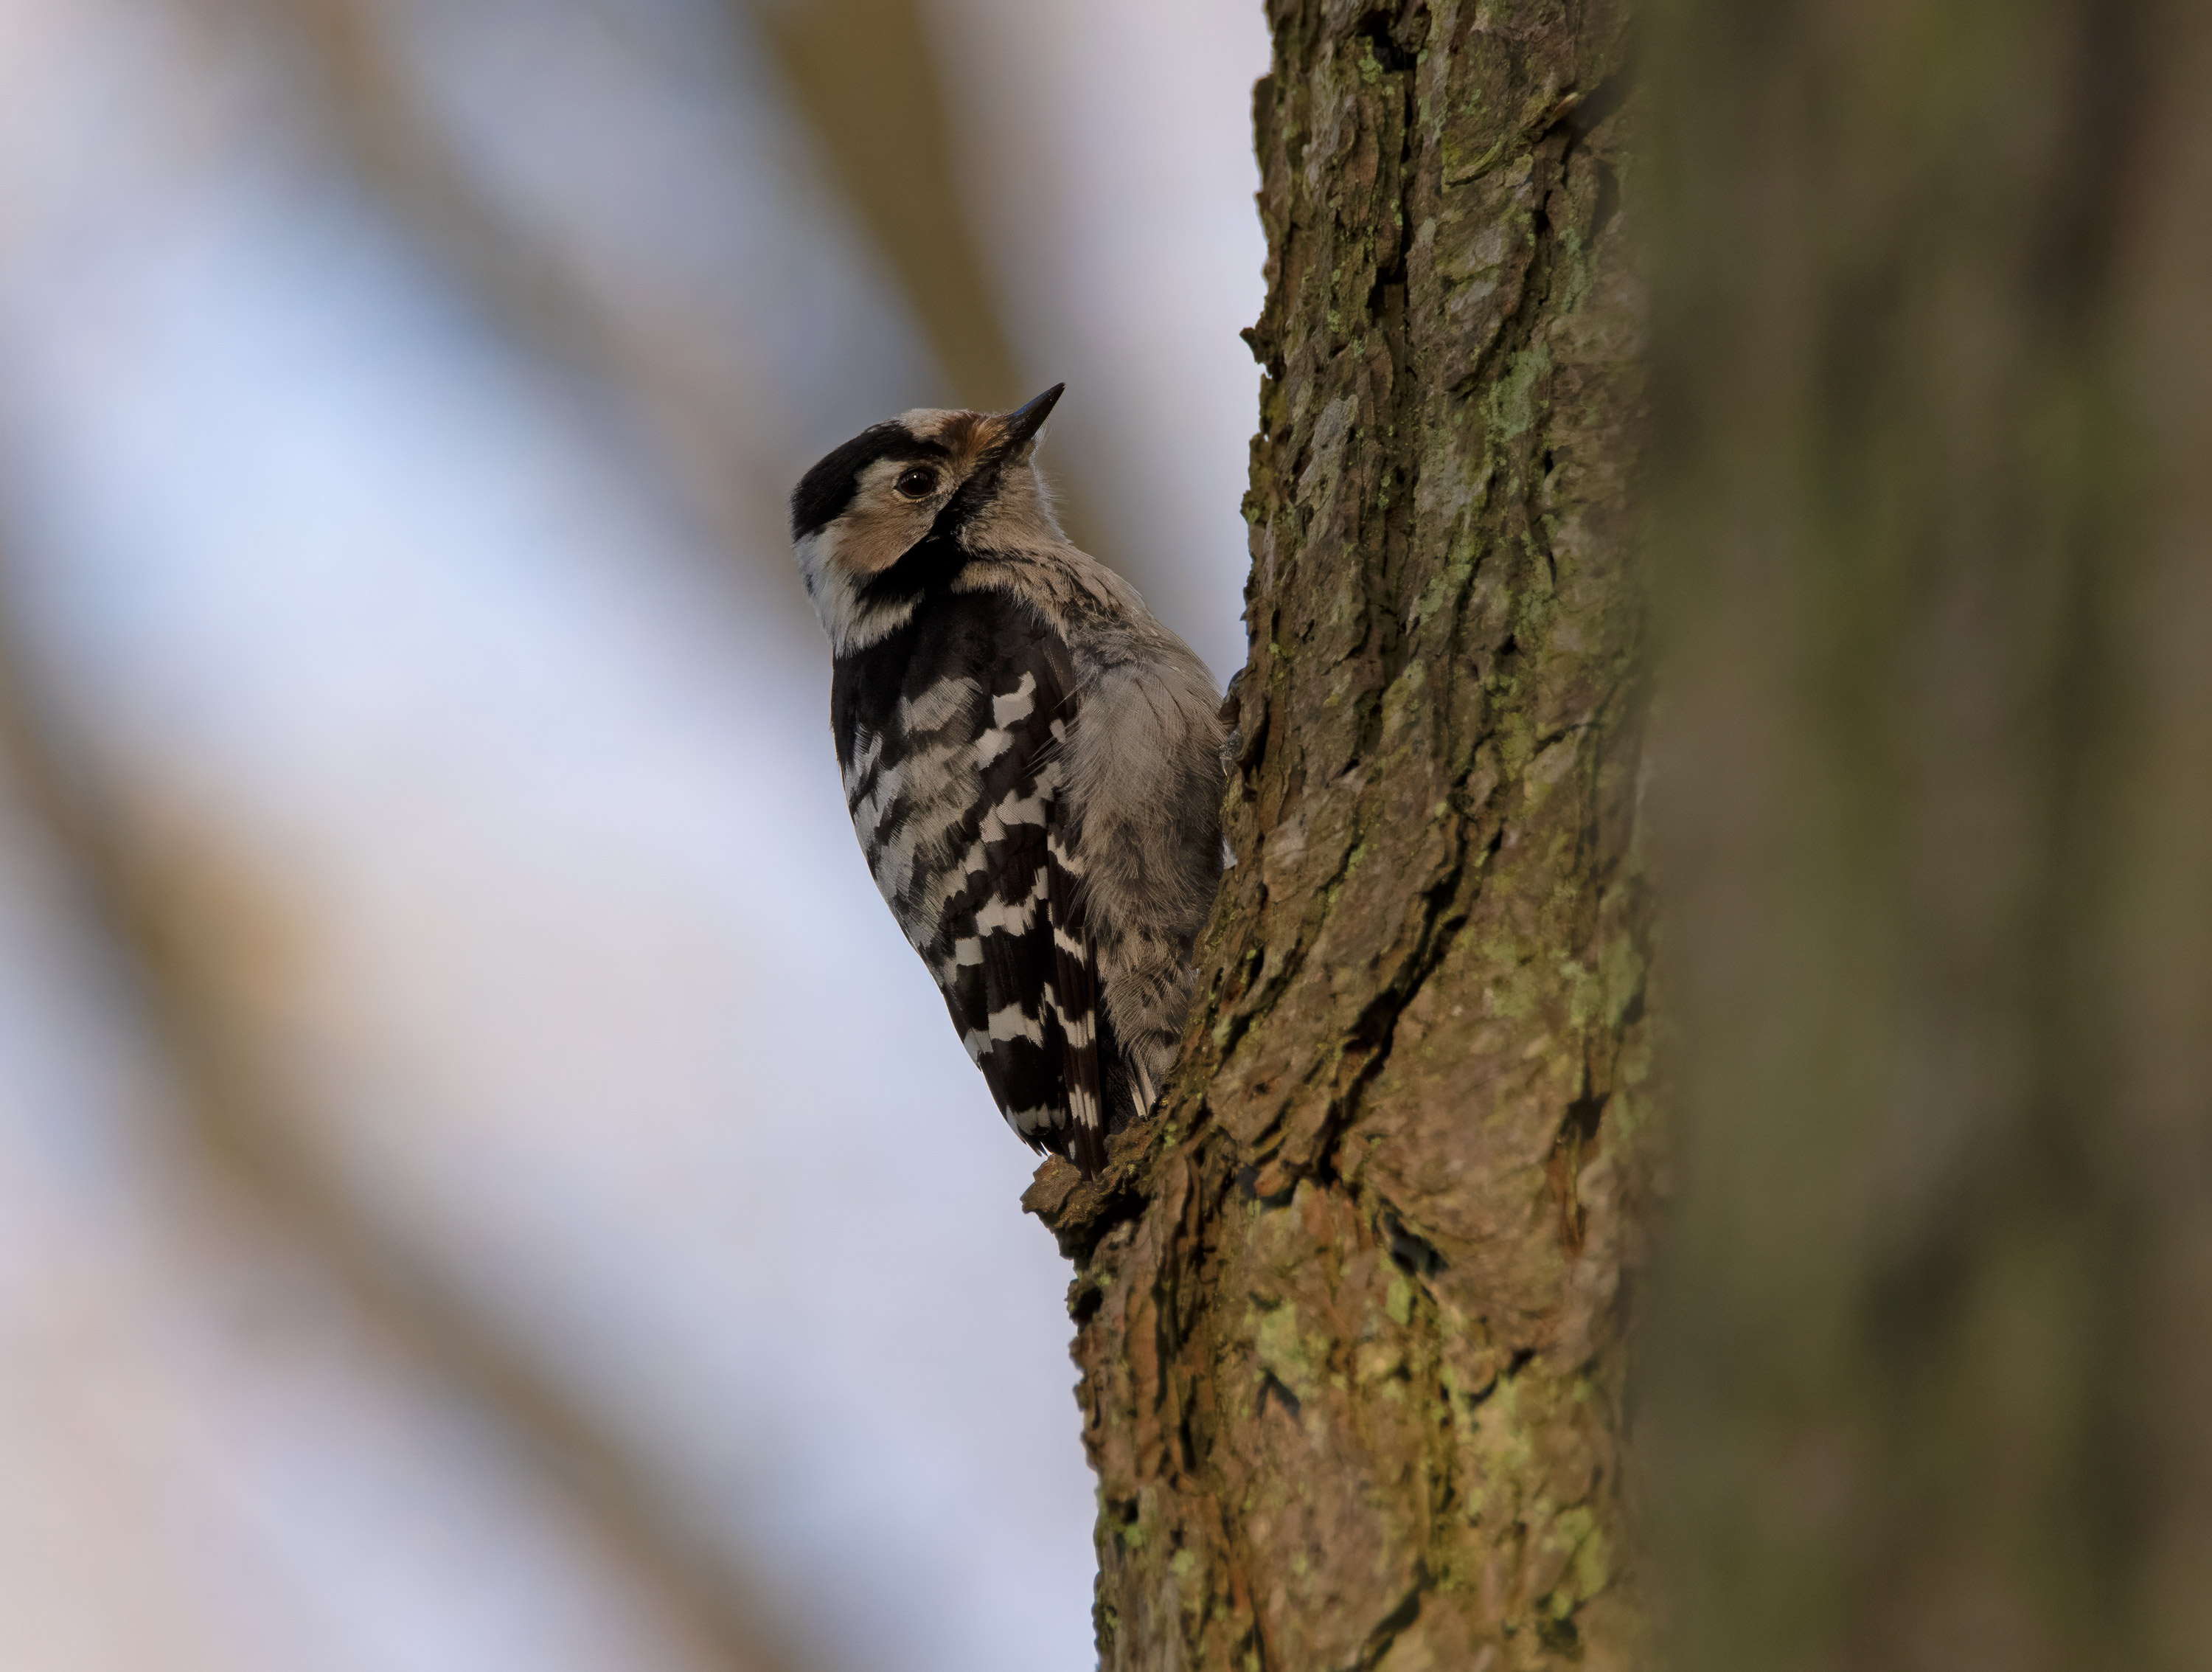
(852, 623)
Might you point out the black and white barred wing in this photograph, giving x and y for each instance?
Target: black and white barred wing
(965, 841)
(1073, 999)
(1020, 984)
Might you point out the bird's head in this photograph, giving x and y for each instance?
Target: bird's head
(902, 505)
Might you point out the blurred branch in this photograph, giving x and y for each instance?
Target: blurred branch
(237, 1115)
(373, 104)
(647, 353)
(862, 75)
(862, 72)
(868, 82)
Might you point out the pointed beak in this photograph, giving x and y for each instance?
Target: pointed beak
(1017, 431)
(1021, 425)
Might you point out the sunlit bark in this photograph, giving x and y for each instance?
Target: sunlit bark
(1349, 1313)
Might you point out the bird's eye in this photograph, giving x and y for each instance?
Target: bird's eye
(918, 482)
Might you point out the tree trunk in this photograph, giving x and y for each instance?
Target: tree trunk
(1350, 1311)
(1936, 1357)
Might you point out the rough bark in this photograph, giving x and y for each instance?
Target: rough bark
(1350, 1312)
(1936, 1356)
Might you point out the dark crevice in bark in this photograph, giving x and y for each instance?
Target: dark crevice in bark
(1393, 41)
(1393, 1626)
(1413, 1255)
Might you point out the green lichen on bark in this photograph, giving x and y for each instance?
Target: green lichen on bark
(1350, 1312)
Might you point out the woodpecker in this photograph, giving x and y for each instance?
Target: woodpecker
(1032, 762)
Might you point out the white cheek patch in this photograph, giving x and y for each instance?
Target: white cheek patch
(837, 562)
(877, 527)
(816, 553)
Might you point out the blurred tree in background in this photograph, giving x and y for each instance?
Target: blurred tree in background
(1935, 1353)
(862, 71)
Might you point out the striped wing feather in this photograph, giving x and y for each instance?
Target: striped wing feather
(1075, 1006)
(956, 800)
(1036, 1006)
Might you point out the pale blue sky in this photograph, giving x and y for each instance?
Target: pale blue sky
(569, 952)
